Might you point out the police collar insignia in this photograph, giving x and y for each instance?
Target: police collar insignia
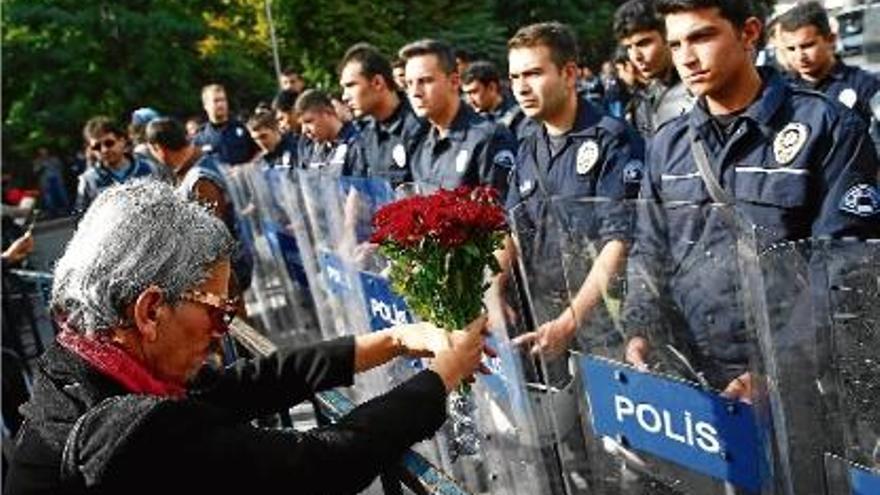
(285, 159)
(632, 172)
(526, 187)
(207, 148)
(848, 97)
(239, 131)
(398, 154)
(587, 156)
(461, 161)
(504, 159)
(339, 154)
(861, 200)
(789, 142)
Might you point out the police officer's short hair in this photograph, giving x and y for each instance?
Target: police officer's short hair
(636, 16)
(99, 125)
(285, 100)
(557, 37)
(804, 15)
(620, 55)
(735, 11)
(397, 63)
(482, 71)
(440, 49)
(167, 132)
(211, 88)
(263, 119)
(313, 100)
(371, 61)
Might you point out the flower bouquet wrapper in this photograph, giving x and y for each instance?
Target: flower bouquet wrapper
(440, 248)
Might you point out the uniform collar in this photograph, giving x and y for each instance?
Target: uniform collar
(346, 133)
(507, 103)
(585, 121)
(459, 126)
(286, 143)
(838, 72)
(771, 97)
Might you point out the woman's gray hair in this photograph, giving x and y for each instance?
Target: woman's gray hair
(133, 236)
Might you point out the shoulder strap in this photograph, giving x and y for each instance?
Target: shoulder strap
(718, 194)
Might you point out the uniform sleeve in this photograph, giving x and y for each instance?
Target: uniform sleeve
(513, 196)
(620, 180)
(499, 159)
(289, 376)
(851, 204)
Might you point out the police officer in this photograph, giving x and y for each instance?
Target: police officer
(197, 176)
(640, 30)
(461, 148)
(577, 152)
(222, 135)
(329, 142)
(108, 143)
(791, 162)
(283, 106)
(481, 85)
(391, 129)
(279, 150)
(806, 37)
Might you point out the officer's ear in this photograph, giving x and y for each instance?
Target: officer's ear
(455, 79)
(751, 33)
(570, 73)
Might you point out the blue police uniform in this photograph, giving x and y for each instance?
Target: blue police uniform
(386, 148)
(473, 152)
(98, 177)
(230, 142)
(510, 115)
(286, 153)
(851, 86)
(338, 156)
(797, 166)
(601, 156)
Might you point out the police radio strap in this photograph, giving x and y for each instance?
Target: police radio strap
(698, 151)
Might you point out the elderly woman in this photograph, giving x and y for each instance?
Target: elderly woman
(142, 293)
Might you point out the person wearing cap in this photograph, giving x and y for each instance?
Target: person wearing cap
(123, 401)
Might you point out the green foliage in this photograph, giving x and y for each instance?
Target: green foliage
(441, 285)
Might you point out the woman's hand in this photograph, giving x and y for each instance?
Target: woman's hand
(463, 358)
(420, 339)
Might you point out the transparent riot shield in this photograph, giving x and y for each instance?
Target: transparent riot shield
(661, 381)
(818, 324)
(340, 212)
(279, 299)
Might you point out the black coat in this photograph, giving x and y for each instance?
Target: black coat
(117, 442)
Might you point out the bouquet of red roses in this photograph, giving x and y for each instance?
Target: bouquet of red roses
(439, 246)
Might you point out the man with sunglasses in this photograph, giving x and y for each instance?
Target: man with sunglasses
(122, 402)
(108, 142)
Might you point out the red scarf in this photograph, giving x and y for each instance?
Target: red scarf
(117, 364)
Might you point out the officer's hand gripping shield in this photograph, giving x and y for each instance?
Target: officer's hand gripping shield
(819, 329)
(663, 384)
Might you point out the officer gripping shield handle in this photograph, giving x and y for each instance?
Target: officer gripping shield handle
(667, 426)
(817, 322)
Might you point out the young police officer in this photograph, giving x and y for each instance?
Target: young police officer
(806, 36)
(279, 150)
(577, 152)
(792, 162)
(391, 130)
(640, 31)
(329, 142)
(461, 148)
(481, 85)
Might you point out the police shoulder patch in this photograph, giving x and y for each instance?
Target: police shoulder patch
(504, 159)
(633, 171)
(587, 156)
(789, 142)
(848, 97)
(862, 200)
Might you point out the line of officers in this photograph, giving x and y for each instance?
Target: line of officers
(791, 151)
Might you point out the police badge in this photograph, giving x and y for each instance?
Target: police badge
(789, 142)
(461, 161)
(848, 97)
(398, 154)
(587, 157)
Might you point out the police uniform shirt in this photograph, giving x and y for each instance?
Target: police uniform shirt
(851, 86)
(510, 115)
(230, 142)
(387, 147)
(601, 156)
(286, 153)
(473, 152)
(338, 156)
(98, 177)
(797, 165)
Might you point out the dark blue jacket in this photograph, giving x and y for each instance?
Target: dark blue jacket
(229, 142)
(387, 147)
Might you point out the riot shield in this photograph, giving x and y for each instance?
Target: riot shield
(340, 212)
(663, 367)
(818, 327)
(279, 299)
